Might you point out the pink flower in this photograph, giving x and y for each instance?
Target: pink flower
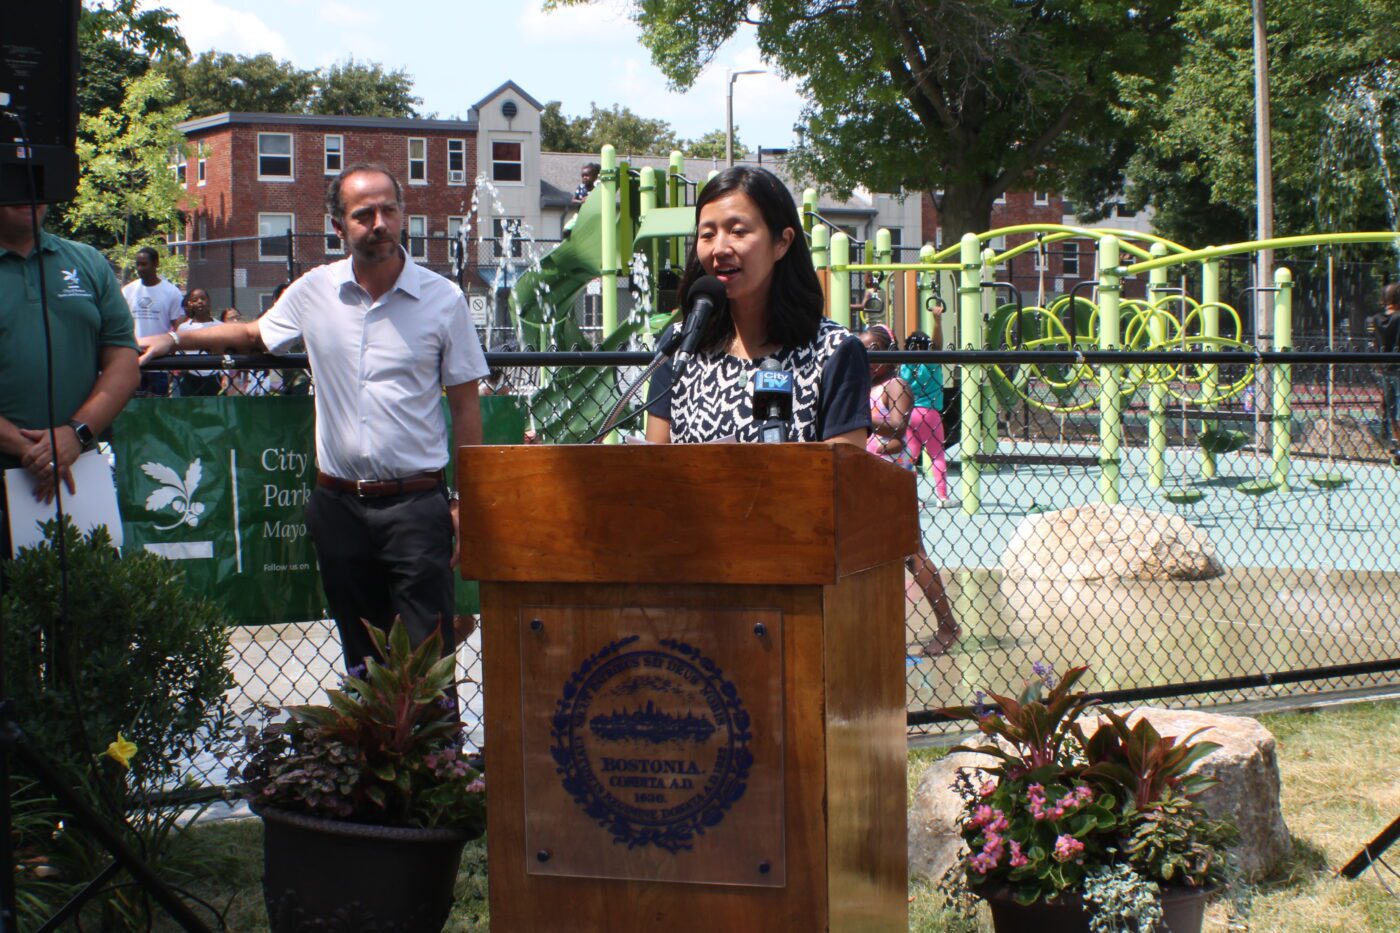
(1068, 848)
(477, 787)
(987, 788)
(1017, 857)
(982, 815)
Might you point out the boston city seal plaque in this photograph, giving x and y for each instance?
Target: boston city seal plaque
(652, 744)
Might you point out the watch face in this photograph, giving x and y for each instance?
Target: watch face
(83, 432)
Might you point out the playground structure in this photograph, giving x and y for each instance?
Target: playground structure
(651, 214)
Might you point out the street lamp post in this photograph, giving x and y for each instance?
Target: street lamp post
(729, 113)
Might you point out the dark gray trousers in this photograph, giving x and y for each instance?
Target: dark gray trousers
(382, 558)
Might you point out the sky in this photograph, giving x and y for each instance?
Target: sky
(458, 52)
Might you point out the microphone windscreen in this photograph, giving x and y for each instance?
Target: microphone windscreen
(709, 287)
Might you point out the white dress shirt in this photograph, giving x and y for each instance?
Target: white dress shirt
(380, 365)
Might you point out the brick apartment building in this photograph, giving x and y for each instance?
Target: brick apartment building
(1066, 262)
(262, 176)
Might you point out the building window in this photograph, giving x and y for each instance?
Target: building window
(202, 155)
(265, 302)
(503, 229)
(1042, 257)
(418, 236)
(335, 154)
(1123, 210)
(275, 157)
(506, 162)
(1071, 258)
(417, 161)
(1042, 198)
(333, 245)
(179, 164)
(201, 227)
(456, 161)
(273, 229)
(1001, 199)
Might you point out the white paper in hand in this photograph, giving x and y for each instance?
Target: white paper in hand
(93, 503)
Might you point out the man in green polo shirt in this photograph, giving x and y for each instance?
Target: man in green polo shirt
(94, 351)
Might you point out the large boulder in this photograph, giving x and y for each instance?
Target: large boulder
(1248, 793)
(1086, 543)
(1093, 562)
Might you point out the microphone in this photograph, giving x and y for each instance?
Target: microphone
(772, 401)
(705, 299)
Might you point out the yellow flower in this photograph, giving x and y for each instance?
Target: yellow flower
(121, 751)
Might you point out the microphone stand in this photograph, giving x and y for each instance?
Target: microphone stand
(663, 353)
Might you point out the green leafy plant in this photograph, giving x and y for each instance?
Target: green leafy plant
(383, 749)
(1059, 809)
(119, 693)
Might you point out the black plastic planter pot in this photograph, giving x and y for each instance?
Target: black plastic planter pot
(1183, 909)
(328, 875)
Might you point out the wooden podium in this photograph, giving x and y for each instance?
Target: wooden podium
(694, 685)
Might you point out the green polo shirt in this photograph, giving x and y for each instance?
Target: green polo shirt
(87, 312)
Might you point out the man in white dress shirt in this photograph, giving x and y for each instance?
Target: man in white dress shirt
(384, 337)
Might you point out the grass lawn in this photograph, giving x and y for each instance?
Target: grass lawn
(1341, 786)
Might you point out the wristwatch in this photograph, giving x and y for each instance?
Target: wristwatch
(84, 434)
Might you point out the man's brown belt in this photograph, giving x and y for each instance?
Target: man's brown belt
(378, 488)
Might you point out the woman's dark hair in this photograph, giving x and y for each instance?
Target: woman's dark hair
(795, 294)
(185, 301)
(918, 341)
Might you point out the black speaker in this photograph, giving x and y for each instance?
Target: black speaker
(39, 83)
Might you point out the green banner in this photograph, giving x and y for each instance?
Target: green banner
(220, 484)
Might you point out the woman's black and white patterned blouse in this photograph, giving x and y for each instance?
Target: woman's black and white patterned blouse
(713, 401)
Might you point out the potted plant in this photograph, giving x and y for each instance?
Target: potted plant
(366, 800)
(1075, 832)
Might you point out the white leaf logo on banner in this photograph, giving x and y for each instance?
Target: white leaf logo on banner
(175, 493)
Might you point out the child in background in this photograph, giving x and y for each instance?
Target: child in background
(925, 381)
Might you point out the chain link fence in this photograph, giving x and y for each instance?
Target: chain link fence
(1203, 586)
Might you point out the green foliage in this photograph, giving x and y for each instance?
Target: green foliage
(711, 146)
(364, 89)
(128, 195)
(1060, 807)
(135, 654)
(970, 97)
(562, 133)
(214, 82)
(1196, 166)
(382, 750)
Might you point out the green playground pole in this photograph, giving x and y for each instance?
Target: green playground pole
(821, 244)
(925, 281)
(1283, 376)
(608, 179)
(970, 333)
(1210, 330)
(809, 207)
(884, 251)
(1110, 396)
(987, 397)
(839, 295)
(675, 197)
(1157, 394)
(647, 201)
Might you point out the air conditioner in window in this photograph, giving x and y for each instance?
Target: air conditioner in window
(457, 178)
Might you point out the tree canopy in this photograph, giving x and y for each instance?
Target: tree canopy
(213, 82)
(1196, 165)
(970, 97)
(628, 132)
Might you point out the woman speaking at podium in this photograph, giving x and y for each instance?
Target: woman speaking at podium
(749, 237)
